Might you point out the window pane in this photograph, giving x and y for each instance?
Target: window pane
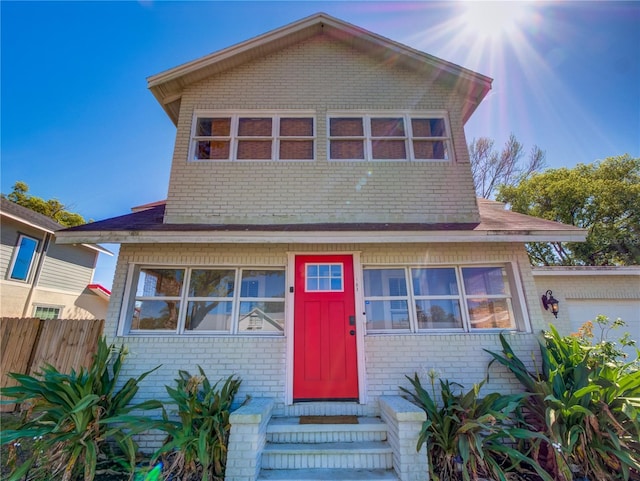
(296, 127)
(211, 283)
(347, 149)
(296, 149)
(480, 281)
(214, 149)
(213, 127)
(438, 314)
(348, 127)
(324, 277)
(489, 313)
(254, 149)
(428, 128)
(389, 149)
(387, 127)
(43, 312)
(259, 127)
(434, 282)
(208, 316)
(430, 149)
(261, 317)
(386, 315)
(262, 283)
(26, 251)
(384, 282)
(155, 315)
(160, 282)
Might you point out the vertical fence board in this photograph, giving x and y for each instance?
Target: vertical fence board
(29, 344)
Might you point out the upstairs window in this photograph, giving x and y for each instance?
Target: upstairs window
(253, 137)
(23, 257)
(389, 137)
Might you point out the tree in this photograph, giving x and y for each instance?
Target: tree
(52, 208)
(602, 197)
(491, 168)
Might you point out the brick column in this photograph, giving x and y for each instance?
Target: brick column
(404, 421)
(247, 439)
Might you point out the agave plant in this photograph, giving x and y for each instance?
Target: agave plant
(196, 445)
(72, 414)
(469, 437)
(588, 410)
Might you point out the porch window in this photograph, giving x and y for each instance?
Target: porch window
(463, 298)
(206, 300)
(389, 137)
(25, 253)
(253, 137)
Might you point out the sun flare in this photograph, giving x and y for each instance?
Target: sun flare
(492, 19)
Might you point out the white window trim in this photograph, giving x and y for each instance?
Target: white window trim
(59, 307)
(14, 258)
(515, 300)
(275, 137)
(129, 299)
(408, 137)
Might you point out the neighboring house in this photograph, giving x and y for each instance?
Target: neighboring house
(321, 189)
(586, 292)
(41, 278)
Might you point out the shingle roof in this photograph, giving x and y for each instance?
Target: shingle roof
(494, 219)
(29, 216)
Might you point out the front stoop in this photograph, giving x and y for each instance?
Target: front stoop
(318, 452)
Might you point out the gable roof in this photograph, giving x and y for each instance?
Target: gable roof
(496, 225)
(168, 86)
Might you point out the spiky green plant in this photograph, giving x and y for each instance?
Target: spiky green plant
(71, 416)
(587, 409)
(469, 437)
(196, 445)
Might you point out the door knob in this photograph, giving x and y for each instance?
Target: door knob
(352, 332)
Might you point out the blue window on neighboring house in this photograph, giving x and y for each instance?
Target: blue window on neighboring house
(23, 258)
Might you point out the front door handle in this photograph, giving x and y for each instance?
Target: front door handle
(352, 332)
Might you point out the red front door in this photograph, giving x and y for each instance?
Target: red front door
(324, 342)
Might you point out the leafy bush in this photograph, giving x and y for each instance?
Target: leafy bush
(196, 446)
(70, 418)
(470, 437)
(586, 405)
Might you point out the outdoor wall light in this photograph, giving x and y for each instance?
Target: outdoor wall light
(550, 302)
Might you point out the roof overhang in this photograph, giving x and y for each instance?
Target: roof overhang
(390, 236)
(100, 291)
(559, 271)
(27, 223)
(167, 87)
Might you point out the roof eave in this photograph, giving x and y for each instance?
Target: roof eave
(314, 237)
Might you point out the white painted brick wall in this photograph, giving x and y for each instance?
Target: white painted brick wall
(260, 362)
(320, 74)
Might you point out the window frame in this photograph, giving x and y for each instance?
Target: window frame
(515, 299)
(409, 138)
(234, 139)
(58, 308)
(16, 254)
(130, 297)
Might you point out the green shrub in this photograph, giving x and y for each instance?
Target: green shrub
(470, 437)
(196, 445)
(586, 405)
(70, 417)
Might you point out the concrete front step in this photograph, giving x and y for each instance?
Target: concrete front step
(289, 430)
(327, 475)
(361, 455)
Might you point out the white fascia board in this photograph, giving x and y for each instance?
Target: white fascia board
(94, 247)
(313, 237)
(30, 224)
(585, 271)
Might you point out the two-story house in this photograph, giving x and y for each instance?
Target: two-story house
(321, 237)
(41, 278)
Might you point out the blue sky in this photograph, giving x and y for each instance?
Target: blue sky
(79, 124)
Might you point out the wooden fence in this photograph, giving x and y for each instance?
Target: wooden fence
(27, 344)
